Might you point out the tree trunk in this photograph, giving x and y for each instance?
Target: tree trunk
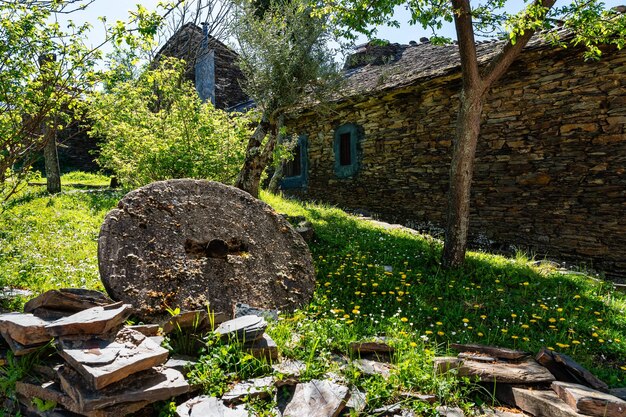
(51, 159)
(257, 158)
(461, 172)
(275, 181)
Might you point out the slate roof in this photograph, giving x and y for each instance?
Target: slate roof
(417, 63)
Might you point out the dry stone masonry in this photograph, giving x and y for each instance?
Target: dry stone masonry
(188, 244)
(550, 171)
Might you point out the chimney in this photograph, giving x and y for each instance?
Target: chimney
(205, 68)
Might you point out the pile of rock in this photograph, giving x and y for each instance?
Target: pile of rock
(551, 384)
(103, 368)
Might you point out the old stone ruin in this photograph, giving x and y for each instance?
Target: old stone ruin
(185, 245)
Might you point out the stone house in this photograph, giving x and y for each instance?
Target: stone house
(211, 65)
(550, 173)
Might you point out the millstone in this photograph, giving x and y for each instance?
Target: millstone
(188, 244)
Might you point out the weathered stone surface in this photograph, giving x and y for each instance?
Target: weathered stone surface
(357, 400)
(244, 329)
(443, 364)
(93, 321)
(588, 401)
(19, 349)
(180, 362)
(536, 402)
(618, 392)
(147, 386)
(103, 362)
(264, 347)
(24, 328)
(567, 369)
(478, 357)
(155, 250)
(242, 309)
(447, 411)
(204, 406)
(145, 329)
(254, 388)
(288, 371)
(407, 111)
(317, 398)
(369, 367)
(367, 347)
(527, 372)
(66, 301)
(51, 391)
(496, 352)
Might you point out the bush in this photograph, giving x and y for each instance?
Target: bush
(155, 128)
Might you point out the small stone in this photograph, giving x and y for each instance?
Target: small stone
(67, 301)
(369, 347)
(243, 329)
(369, 367)
(205, 406)
(255, 388)
(242, 309)
(263, 348)
(93, 321)
(317, 398)
(357, 401)
(24, 328)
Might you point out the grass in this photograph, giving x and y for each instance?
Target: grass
(370, 282)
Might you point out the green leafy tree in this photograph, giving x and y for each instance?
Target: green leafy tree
(159, 129)
(37, 96)
(589, 24)
(285, 58)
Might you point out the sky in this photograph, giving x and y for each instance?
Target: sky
(115, 10)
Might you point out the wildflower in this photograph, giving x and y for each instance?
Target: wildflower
(428, 332)
(404, 319)
(440, 333)
(480, 334)
(440, 324)
(575, 342)
(525, 326)
(576, 297)
(562, 345)
(552, 320)
(514, 315)
(465, 320)
(504, 330)
(413, 344)
(346, 316)
(525, 339)
(482, 316)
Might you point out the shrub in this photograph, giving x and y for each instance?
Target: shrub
(155, 128)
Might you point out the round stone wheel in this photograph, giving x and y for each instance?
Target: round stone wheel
(191, 243)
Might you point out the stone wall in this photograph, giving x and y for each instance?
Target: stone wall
(550, 172)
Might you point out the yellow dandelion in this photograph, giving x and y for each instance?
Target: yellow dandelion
(404, 319)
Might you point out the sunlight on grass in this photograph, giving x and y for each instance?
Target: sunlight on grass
(370, 282)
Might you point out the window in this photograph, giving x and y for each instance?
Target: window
(295, 172)
(347, 149)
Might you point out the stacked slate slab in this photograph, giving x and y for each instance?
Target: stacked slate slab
(105, 368)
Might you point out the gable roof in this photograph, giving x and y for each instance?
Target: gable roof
(406, 65)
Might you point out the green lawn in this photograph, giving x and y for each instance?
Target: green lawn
(371, 282)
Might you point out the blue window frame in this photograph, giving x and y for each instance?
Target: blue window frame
(295, 172)
(347, 149)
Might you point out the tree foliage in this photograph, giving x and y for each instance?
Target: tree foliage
(32, 89)
(155, 127)
(285, 58)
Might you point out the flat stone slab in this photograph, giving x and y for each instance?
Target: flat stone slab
(263, 348)
(369, 367)
(103, 362)
(147, 386)
(66, 301)
(535, 402)
(371, 347)
(94, 321)
(525, 372)
(243, 329)
(204, 406)
(567, 369)
(254, 388)
(494, 351)
(51, 391)
(317, 399)
(585, 400)
(189, 243)
(24, 328)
